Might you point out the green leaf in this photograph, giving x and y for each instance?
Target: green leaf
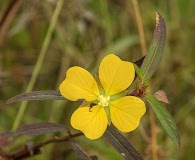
(155, 52)
(37, 95)
(121, 144)
(165, 119)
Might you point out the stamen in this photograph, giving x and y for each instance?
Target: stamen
(103, 100)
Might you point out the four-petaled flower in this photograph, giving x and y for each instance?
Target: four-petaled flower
(115, 76)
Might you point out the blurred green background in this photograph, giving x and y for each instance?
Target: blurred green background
(85, 31)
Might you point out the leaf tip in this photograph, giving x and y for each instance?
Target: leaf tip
(179, 142)
(8, 102)
(157, 18)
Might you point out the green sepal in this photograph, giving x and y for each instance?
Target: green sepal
(118, 95)
(107, 110)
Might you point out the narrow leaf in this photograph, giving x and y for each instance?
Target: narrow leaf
(37, 95)
(165, 119)
(34, 129)
(155, 52)
(40, 128)
(122, 145)
(80, 153)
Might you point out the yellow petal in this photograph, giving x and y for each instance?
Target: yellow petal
(115, 75)
(79, 84)
(125, 113)
(91, 121)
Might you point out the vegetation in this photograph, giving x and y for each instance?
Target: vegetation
(40, 40)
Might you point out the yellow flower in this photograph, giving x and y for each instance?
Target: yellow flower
(115, 77)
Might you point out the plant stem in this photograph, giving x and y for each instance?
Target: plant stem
(140, 27)
(151, 113)
(7, 17)
(153, 135)
(36, 149)
(39, 62)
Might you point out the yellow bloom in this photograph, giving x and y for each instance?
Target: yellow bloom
(115, 76)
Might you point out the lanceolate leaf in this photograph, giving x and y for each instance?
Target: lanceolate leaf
(122, 145)
(34, 129)
(40, 128)
(80, 153)
(165, 119)
(155, 52)
(37, 95)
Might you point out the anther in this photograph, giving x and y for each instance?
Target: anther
(103, 100)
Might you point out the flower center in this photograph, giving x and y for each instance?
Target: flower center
(103, 100)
